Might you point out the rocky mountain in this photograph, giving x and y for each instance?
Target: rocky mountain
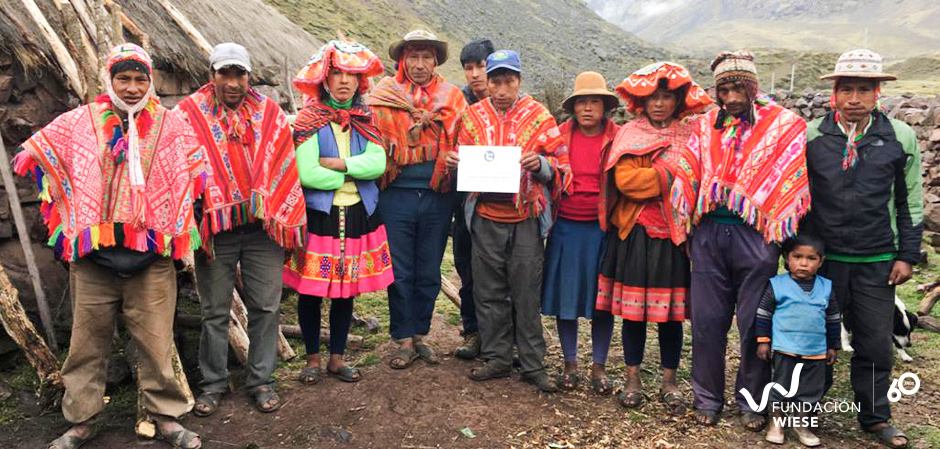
(899, 28)
(555, 38)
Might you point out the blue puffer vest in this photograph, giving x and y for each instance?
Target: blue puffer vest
(322, 200)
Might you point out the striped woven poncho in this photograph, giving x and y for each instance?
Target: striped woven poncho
(756, 170)
(87, 203)
(250, 151)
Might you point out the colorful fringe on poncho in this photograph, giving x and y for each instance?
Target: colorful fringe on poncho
(83, 180)
(254, 175)
(395, 102)
(770, 188)
(527, 124)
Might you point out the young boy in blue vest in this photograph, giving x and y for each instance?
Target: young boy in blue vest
(798, 323)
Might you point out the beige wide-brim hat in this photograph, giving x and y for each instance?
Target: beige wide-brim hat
(419, 37)
(591, 83)
(860, 64)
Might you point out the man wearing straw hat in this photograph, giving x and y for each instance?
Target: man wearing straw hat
(416, 112)
(867, 206)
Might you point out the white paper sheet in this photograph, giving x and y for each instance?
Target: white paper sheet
(489, 169)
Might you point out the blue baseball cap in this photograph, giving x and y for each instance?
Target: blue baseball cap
(504, 59)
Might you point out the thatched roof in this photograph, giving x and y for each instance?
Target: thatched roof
(274, 42)
(271, 38)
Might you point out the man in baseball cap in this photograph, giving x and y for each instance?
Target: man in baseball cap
(252, 211)
(508, 228)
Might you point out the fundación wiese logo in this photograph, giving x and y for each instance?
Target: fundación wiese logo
(898, 389)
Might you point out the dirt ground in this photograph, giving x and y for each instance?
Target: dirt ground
(427, 406)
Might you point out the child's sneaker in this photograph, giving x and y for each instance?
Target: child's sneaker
(775, 432)
(806, 436)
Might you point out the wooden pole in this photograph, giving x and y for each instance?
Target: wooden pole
(930, 299)
(451, 291)
(59, 50)
(186, 25)
(81, 9)
(21, 329)
(10, 185)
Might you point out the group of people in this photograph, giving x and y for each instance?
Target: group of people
(679, 213)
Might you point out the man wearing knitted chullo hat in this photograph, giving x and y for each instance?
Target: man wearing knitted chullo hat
(741, 189)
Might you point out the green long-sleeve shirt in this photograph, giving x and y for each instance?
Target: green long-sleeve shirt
(370, 164)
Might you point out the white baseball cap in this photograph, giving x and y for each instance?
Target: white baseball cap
(229, 54)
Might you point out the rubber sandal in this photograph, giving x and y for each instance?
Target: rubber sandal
(407, 357)
(264, 395)
(749, 418)
(488, 372)
(601, 386)
(426, 353)
(211, 400)
(310, 375)
(631, 400)
(179, 439)
(711, 417)
(887, 434)
(346, 374)
(72, 442)
(675, 403)
(568, 382)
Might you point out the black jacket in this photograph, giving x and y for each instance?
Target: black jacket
(875, 207)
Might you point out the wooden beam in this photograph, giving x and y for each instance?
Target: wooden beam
(451, 291)
(929, 301)
(21, 329)
(59, 50)
(186, 25)
(10, 185)
(81, 9)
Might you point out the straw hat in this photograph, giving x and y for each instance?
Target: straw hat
(420, 37)
(860, 64)
(591, 83)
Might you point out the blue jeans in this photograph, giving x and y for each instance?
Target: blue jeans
(417, 222)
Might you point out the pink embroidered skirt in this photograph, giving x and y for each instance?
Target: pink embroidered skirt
(346, 255)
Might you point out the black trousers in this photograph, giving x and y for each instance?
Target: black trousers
(867, 303)
(812, 381)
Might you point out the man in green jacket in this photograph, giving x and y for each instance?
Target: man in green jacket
(865, 182)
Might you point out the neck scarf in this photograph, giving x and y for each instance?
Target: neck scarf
(131, 142)
(850, 152)
(316, 115)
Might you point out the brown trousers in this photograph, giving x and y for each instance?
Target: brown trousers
(147, 301)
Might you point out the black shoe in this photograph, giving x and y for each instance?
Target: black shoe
(541, 381)
(470, 348)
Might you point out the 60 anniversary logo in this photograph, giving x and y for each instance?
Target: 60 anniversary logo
(898, 388)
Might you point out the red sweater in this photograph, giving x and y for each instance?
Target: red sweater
(585, 153)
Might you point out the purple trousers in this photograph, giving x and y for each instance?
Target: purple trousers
(731, 265)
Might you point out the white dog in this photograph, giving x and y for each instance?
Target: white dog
(904, 323)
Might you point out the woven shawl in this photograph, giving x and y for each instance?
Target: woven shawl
(395, 101)
(640, 138)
